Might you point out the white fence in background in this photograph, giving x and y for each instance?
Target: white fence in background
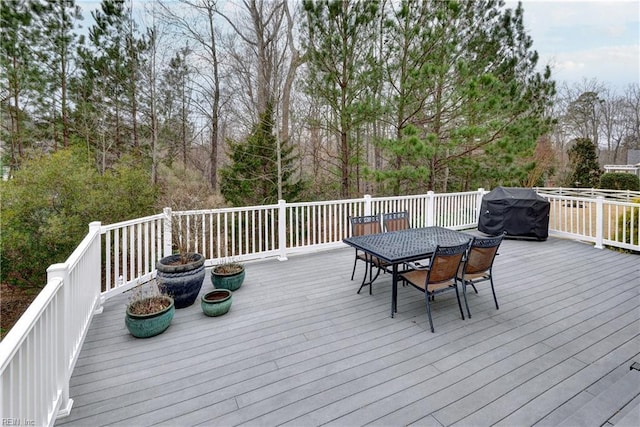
(592, 193)
(38, 355)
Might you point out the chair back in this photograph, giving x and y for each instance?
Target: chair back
(482, 252)
(362, 225)
(394, 221)
(446, 262)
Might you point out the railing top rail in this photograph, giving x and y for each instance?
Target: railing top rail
(421, 196)
(588, 192)
(326, 202)
(131, 222)
(223, 210)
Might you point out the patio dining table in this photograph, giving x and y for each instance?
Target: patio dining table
(403, 246)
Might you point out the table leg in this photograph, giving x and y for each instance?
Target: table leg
(394, 291)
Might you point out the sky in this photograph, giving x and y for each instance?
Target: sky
(581, 40)
(586, 40)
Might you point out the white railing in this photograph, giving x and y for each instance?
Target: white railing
(600, 221)
(622, 195)
(131, 250)
(38, 355)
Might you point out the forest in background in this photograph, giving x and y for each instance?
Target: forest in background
(207, 103)
(381, 97)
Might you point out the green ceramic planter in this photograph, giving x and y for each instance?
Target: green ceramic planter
(216, 303)
(149, 325)
(231, 282)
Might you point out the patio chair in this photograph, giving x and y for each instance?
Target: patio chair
(478, 266)
(361, 225)
(441, 275)
(394, 221)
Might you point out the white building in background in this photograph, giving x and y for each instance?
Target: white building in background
(632, 166)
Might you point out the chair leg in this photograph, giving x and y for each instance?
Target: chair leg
(494, 293)
(458, 298)
(464, 294)
(368, 272)
(474, 287)
(355, 261)
(364, 280)
(429, 312)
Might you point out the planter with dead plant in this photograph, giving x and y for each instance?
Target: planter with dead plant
(149, 312)
(228, 275)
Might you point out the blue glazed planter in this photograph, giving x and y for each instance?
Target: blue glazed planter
(216, 303)
(149, 325)
(181, 281)
(231, 282)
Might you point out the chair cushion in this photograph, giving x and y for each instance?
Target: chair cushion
(417, 278)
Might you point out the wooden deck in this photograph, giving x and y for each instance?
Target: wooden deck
(299, 347)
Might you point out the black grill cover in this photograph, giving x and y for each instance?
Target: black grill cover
(517, 212)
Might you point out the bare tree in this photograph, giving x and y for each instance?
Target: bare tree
(195, 21)
(631, 105)
(265, 60)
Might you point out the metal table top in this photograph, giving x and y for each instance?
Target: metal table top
(407, 245)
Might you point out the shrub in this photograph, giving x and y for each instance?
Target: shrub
(48, 204)
(620, 181)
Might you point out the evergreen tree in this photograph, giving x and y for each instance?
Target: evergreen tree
(21, 79)
(342, 73)
(176, 96)
(58, 46)
(252, 177)
(584, 164)
(479, 104)
(110, 73)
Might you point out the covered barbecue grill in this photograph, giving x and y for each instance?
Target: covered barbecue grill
(517, 212)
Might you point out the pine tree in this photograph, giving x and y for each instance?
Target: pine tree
(176, 129)
(110, 74)
(474, 104)
(22, 77)
(252, 177)
(342, 72)
(59, 42)
(584, 164)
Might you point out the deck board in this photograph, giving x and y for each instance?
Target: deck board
(299, 347)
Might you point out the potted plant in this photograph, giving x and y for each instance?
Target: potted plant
(216, 302)
(181, 276)
(228, 275)
(148, 315)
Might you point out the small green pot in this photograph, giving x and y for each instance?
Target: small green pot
(231, 282)
(149, 325)
(216, 303)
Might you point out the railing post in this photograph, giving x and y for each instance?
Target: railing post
(167, 248)
(431, 214)
(599, 222)
(479, 205)
(95, 227)
(282, 230)
(367, 204)
(63, 358)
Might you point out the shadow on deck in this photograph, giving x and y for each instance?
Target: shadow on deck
(300, 347)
